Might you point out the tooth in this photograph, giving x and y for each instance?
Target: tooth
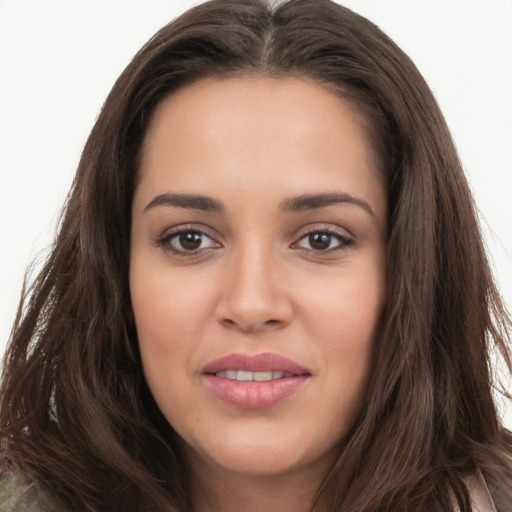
(262, 376)
(243, 375)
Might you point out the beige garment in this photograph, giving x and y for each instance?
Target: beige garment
(19, 495)
(481, 500)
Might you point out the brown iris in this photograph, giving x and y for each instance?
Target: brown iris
(190, 241)
(319, 241)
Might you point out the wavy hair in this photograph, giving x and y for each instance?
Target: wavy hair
(76, 414)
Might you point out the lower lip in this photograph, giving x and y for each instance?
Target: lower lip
(252, 394)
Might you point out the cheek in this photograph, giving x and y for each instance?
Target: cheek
(172, 312)
(344, 321)
(161, 321)
(166, 307)
(348, 307)
(164, 329)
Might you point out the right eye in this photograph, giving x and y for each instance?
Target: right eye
(186, 242)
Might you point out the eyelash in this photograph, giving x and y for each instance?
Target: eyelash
(344, 240)
(165, 241)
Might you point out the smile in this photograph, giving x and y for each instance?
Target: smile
(245, 376)
(254, 381)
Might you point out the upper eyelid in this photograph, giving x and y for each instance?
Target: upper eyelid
(344, 239)
(324, 228)
(185, 228)
(165, 242)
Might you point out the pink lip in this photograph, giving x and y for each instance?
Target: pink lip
(252, 394)
(265, 362)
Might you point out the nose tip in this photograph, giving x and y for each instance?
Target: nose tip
(252, 319)
(254, 299)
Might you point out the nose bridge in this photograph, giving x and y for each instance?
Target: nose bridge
(252, 273)
(253, 297)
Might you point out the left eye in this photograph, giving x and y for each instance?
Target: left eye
(188, 241)
(323, 241)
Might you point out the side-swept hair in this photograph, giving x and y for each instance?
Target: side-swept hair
(76, 414)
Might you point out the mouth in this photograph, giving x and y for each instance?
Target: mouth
(266, 366)
(246, 376)
(254, 381)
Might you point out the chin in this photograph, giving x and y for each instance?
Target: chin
(256, 461)
(263, 453)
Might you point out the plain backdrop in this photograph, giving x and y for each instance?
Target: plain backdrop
(59, 59)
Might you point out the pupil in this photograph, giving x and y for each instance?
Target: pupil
(190, 241)
(320, 241)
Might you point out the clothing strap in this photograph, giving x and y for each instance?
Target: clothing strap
(481, 500)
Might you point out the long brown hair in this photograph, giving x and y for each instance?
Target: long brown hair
(76, 415)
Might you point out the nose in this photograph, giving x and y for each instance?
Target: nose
(254, 294)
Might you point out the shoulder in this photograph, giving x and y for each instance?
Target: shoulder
(20, 495)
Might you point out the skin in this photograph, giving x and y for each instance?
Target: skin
(258, 283)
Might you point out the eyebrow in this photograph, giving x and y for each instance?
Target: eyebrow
(293, 204)
(314, 201)
(188, 201)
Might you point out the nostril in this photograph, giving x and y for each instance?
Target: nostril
(251, 314)
(251, 326)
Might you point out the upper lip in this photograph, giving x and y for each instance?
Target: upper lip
(265, 362)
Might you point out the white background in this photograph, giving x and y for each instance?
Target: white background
(59, 59)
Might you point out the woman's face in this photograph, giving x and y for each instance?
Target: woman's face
(257, 271)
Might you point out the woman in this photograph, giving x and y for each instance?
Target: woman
(268, 289)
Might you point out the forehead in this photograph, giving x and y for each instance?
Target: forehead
(286, 133)
(253, 106)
